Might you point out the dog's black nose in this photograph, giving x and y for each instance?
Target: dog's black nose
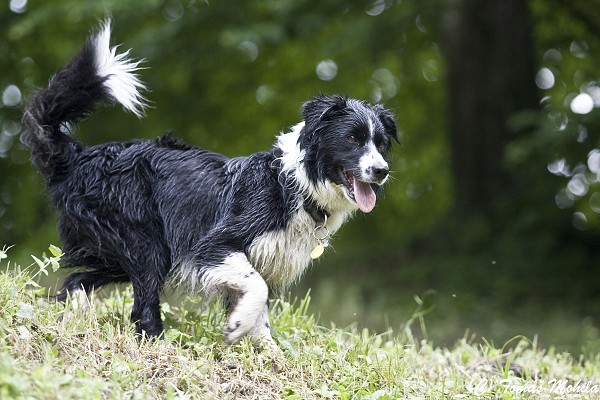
(379, 172)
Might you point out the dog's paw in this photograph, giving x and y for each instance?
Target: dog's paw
(235, 329)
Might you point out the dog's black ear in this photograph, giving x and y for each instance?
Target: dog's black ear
(388, 121)
(322, 108)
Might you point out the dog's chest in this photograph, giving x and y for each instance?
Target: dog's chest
(282, 256)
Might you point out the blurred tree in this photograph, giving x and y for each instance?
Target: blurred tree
(490, 63)
(567, 138)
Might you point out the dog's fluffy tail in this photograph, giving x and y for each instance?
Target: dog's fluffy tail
(96, 74)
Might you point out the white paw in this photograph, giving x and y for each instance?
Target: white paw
(236, 328)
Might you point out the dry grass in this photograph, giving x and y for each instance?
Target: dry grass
(49, 351)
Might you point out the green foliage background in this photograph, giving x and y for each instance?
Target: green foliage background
(230, 75)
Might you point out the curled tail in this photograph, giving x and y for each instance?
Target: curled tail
(96, 74)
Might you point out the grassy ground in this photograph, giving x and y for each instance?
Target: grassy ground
(50, 351)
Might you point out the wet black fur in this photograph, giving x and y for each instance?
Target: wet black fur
(134, 211)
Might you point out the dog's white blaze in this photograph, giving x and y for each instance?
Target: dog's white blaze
(121, 81)
(371, 128)
(372, 158)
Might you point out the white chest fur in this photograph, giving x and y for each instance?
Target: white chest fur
(281, 257)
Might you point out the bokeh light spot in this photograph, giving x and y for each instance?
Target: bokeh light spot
(420, 25)
(558, 167)
(580, 221)
(582, 103)
(595, 202)
(11, 96)
(544, 79)
(593, 161)
(562, 200)
(385, 85)
(559, 120)
(552, 56)
(431, 71)
(264, 95)
(327, 70)
(579, 48)
(18, 6)
(578, 185)
(594, 92)
(377, 8)
(250, 49)
(173, 10)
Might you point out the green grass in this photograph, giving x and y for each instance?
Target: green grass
(50, 351)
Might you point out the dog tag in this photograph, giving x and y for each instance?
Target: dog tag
(317, 251)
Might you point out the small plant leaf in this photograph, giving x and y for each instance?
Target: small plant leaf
(25, 310)
(39, 262)
(56, 251)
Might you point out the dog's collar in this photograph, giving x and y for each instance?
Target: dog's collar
(316, 212)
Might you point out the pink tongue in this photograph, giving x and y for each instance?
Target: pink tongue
(364, 196)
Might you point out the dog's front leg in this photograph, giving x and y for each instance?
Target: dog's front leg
(249, 313)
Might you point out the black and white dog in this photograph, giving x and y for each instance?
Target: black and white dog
(159, 213)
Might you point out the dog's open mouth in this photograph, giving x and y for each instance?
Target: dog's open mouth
(360, 192)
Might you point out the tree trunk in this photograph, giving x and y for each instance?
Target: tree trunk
(490, 66)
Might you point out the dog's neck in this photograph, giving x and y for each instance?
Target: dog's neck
(317, 213)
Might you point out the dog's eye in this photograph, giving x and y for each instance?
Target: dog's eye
(352, 139)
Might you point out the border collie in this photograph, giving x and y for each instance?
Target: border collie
(159, 212)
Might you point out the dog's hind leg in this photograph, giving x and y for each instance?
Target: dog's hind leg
(146, 306)
(236, 274)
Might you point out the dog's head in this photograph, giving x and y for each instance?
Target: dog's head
(345, 143)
